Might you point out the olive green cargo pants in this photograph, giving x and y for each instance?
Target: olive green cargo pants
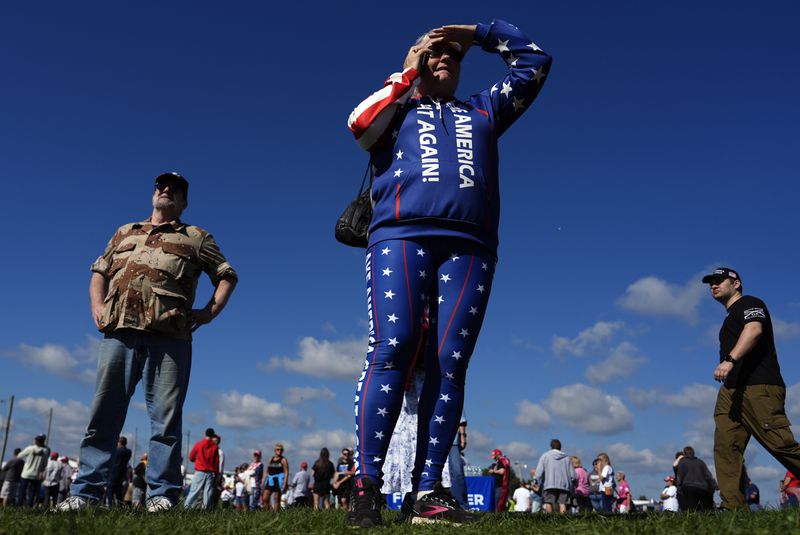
(758, 411)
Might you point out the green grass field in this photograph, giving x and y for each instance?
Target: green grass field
(305, 522)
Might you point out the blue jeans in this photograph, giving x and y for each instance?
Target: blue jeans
(162, 363)
(201, 482)
(458, 485)
(607, 502)
(28, 493)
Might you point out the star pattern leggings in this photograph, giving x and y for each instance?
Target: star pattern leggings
(426, 298)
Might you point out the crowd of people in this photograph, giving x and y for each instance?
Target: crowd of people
(36, 477)
(561, 484)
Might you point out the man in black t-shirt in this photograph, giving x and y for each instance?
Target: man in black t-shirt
(343, 479)
(752, 397)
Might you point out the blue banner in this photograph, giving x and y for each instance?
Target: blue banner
(480, 494)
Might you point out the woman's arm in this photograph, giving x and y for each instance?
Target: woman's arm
(370, 120)
(528, 67)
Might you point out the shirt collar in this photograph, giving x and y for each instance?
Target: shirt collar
(176, 224)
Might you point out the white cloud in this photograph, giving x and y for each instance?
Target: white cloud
(710, 336)
(198, 418)
(699, 397)
(341, 359)
(53, 358)
(531, 415)
(700, 436)
(69, 421)
(334, 439)
(643, 397)
(655, 297)
(695, 396)
(785, 330)
(793, 400)
(628, 459)
(90, 351)
(587, 340)
(300, 394)
(519, 452)
(590, 409)
(621, 362)
(246, 411)
(479, 442)
(329, 327)
(762, 473)
(526, 343)
(58, 360)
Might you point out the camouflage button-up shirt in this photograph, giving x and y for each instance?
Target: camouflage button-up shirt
(153, 273)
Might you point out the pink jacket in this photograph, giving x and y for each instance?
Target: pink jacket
(581, 481)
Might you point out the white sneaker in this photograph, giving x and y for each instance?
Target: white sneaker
(77, 503)
(158, 504)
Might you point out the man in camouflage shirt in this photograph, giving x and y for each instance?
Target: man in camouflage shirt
(141, 292)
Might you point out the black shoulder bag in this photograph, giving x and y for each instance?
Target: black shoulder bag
(352, 226)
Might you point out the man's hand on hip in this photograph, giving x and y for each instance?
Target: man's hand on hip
(199, 316)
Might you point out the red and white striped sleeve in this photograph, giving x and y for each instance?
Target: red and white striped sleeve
(372, 117)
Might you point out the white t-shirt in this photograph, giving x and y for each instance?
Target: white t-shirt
(522, 499)
(671, 502)
(607, 476)
(239, 489)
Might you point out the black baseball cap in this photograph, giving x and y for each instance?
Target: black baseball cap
(722, 273)
(176, 179)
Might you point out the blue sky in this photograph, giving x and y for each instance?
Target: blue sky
(664, 143)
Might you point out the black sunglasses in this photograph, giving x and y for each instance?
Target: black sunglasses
(438, 51)
(174, 185)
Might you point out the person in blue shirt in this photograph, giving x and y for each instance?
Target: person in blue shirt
(752, 496)
(432, 245)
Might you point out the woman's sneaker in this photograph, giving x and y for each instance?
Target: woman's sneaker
(440, 506)
(366, 502)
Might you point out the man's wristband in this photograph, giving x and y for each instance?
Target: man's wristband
(730, 359)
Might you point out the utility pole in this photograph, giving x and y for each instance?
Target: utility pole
(49, 425)
(135, 443)
(186, 459)
(8, 426)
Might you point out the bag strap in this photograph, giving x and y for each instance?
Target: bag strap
(369, 172)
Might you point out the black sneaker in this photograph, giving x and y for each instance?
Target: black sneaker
(366, 501)
(406, 509)
(439, 506)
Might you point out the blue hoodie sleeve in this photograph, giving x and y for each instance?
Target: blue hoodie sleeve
(528, 67)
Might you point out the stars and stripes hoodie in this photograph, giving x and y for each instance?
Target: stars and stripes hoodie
(435, 161)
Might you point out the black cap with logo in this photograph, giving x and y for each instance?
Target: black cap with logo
(721, 273)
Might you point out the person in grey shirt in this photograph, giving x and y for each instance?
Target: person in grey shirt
(300, 484)
(555, 473)
(12, 473)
